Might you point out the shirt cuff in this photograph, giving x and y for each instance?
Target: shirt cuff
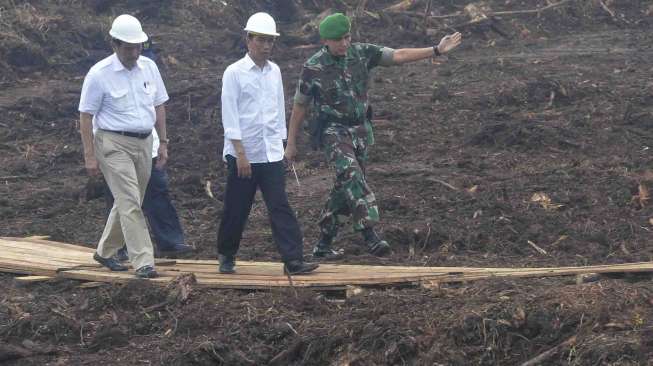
(158, 102)
(87, 110)
(232, 134)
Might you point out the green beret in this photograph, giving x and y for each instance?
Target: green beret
(334, 26)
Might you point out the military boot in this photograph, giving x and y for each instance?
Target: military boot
(323, 250)
(375, 245)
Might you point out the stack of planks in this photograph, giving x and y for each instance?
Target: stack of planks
(43, 259)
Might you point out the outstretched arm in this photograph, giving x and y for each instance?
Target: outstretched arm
(405, 55)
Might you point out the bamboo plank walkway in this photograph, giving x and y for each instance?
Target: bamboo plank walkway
(35, 256)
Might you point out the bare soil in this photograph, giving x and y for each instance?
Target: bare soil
(538, 128)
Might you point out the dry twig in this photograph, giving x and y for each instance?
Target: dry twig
(548, 354)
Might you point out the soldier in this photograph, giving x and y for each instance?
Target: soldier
(335, 80)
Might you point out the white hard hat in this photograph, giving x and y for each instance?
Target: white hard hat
(127, 29)
(262, 23)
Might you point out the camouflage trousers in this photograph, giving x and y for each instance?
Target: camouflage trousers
(346, 154)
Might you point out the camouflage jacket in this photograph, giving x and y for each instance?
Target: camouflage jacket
(338, 86)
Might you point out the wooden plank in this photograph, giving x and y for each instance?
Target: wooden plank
(49, 243)
(40, 257)
(41, 248)
(32, 279)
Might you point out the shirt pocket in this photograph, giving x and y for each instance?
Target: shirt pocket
(120, 99)
(148, 93)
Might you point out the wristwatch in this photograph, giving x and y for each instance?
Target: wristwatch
(164, 141)
(436, 51)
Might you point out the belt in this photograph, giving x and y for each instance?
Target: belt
(138, 135)
(343, 121)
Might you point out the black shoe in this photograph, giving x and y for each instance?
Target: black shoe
(227, 264)
(146, 272)
(375, 245)
(110, 263)
(176, 250)
(122, 255)
(298, 267)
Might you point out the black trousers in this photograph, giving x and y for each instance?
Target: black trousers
(238, 199)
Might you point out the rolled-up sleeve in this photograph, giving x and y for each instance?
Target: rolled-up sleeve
(387, 55)
(161, 92)
(229, 99)
(303, 94)
(90, 100)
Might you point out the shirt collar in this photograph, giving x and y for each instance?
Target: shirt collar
(249, 63)
(118, 66)
(329, 59)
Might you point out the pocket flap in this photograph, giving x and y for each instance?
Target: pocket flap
(118, 93)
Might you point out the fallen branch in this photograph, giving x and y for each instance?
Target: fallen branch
(605, 7)
(490, 14)
(443, 183)
(207, 189)
(285, 357)
(548, 354)
(402, 5)
(426, 13)
(538, 249)
(532, 11)
(11, 177)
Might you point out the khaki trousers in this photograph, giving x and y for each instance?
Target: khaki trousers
(126, 163)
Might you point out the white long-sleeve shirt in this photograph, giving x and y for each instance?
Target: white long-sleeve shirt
(253, 110)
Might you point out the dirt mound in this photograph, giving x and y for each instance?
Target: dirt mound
(524, 135)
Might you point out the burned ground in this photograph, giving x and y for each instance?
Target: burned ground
(536, 129)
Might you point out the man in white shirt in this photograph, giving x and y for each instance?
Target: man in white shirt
(254, 121)
(123, 98)
(165, 227)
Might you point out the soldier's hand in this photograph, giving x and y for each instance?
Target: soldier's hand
(449, 42)
(91, 165)
(244, 167)
(290, 153)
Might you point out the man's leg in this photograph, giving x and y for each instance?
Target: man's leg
(161, 214)
(122, 255)
(350, 194)
(127, 177)
(286, 233)
(368, 215)
(238, 198)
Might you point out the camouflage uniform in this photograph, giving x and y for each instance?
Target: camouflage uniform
(338, 86)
